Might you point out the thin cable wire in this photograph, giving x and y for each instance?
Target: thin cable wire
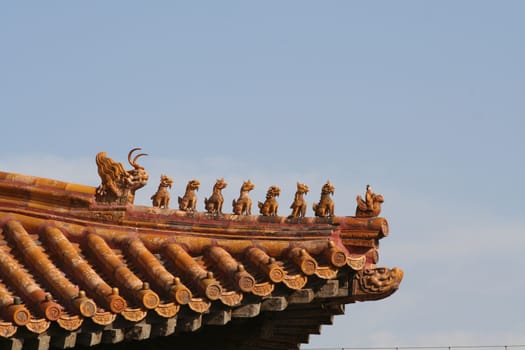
(449, 347)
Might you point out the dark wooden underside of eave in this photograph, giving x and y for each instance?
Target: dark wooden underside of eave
(282, 330)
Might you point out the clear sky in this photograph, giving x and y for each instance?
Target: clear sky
(424, 100)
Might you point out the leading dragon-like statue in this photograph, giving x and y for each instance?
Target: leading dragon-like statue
(119, 185)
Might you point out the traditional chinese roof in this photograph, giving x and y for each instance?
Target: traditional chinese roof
(75, 270)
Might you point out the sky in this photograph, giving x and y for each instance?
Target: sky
(424, 100)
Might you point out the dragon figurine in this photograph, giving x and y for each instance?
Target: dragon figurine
(189, 201)
(118, 185)
(270, 205)
(213, 205)
(325, 207)
(161, 198)
(299, 204)
(243, 205)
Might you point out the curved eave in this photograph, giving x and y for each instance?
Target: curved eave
(73, 264)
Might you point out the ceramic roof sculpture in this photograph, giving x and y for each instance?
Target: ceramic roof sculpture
(84, 266)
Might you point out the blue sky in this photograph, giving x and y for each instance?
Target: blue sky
(422, 99)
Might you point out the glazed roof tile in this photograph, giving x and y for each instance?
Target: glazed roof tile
(93, 274)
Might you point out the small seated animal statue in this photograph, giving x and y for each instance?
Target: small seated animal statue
(243, 205)
(371, 206)
(161, 198)
(213, 205)
(325, 207)
(299, 204)
(189, 201)
(270, 205)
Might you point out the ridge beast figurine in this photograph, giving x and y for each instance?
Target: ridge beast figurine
(243, 205)
(189, 201)
(299, 204)
(213, 205)
(161, 198)
(270, 205)
(325, 207)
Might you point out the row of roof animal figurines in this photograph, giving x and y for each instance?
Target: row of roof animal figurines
(119, 186)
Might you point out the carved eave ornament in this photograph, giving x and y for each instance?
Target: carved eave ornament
(375, 284)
